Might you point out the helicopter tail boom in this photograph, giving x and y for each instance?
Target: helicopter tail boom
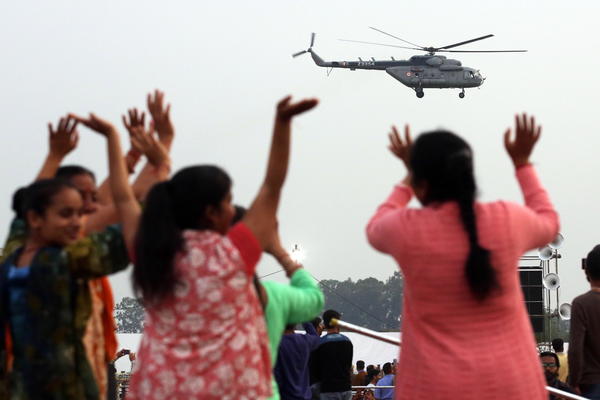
(318, 60)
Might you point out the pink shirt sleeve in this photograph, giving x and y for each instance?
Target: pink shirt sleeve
(537, 223)
(247, 244)
(385, 221)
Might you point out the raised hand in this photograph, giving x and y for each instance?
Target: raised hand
(136, 121)
(147, 144)
(136, 118)
(399, 147)
(161, 116)
(527, 133)
(261, 218)
(286, 110)
(64, 139)
(96, 124)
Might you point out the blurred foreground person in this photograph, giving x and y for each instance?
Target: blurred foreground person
(204, 333)
(285, 304)
(463, 302)
(44, 296)
(584, 346)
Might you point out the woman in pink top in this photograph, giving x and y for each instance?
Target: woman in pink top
(204, 333)
(466, 334)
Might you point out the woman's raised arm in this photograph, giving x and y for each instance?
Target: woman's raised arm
(127, 206)
(261, 217)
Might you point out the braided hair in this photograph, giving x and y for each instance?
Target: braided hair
(444, 162)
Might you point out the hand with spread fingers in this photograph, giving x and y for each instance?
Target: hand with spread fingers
(96, 124)
(286, 110)
(161, 116)
(401, 147)
(146, 142)
(64, 138)
(134, 120)
(527, 133)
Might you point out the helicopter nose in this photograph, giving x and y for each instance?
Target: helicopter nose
(481, 77)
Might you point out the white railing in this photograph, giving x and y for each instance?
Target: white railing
(397, 342)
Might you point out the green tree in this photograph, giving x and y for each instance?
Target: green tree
(129, 314)
(367, 302)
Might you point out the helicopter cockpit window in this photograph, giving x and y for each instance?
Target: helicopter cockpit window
(469, 75)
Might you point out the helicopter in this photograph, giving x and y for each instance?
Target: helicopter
(420, 71)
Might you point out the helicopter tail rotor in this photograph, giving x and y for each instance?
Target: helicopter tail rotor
(312, 42)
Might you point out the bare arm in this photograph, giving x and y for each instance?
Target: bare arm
(261, 217)
(156, 170)
(61, 142)
(131, 159)
(162, 124)
(127, 206)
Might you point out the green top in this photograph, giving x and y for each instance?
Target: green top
(300, 301)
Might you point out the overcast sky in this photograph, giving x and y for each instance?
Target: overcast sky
(224, 65)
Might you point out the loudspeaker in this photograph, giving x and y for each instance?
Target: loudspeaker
(533, 291)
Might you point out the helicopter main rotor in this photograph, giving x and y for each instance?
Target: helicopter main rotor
(432, 50)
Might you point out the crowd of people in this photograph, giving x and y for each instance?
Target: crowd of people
(213, 330)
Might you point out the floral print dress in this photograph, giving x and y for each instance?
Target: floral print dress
(209, 340)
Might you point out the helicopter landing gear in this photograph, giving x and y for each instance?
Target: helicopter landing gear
(420, 93)
(462, 94)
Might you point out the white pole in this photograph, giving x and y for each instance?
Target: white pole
(365, 332)
(397, 342)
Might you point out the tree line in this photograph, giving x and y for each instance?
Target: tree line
(366, 302)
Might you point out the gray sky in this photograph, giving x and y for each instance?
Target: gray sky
(224, 65)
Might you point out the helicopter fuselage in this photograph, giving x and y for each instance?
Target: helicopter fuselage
(419, 72)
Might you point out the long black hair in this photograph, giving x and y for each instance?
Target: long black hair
(67, 172)
(170, 208)
(443, 162)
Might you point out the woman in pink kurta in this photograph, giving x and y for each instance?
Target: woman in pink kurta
(466, 334)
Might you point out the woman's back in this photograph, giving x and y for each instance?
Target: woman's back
(487, 345)
(212, 329)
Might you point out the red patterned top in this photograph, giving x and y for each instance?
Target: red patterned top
(209, 341)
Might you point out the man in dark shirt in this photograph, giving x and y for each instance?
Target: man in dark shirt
(584, 346)
(291, 369)
(332, 361)
(551, 365)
